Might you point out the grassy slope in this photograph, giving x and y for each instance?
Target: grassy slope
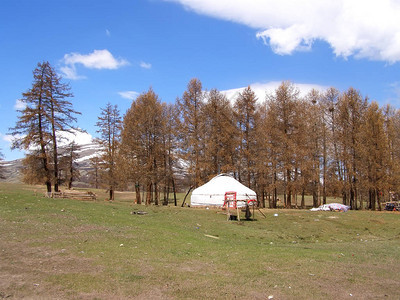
(71, 249)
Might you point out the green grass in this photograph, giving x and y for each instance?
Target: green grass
(61, 248)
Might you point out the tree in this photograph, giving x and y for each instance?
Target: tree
(392, 131)
(33, 124)
(47, 113)
(220, 131)
(191, 129)
(68, 164)
(60, 112)
(94, 173)
(351, 113)
(246, 123)
(170, 146)
(375, 154)
(142, 143)
(265, 164)
(314, 141)
(109, 124)
(33, 171)
(283, 119)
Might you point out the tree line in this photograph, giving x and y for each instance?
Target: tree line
(331, 143)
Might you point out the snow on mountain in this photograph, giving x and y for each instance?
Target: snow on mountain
(263, 89)
(12, 169)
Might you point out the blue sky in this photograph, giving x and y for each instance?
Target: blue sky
(109, 51)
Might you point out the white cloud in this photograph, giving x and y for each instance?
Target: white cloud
(70, 72)
(267, 88)
(145, 65)
(98, 59)
(129, 94)
(19, 104)
(108, 33)
(361, 28)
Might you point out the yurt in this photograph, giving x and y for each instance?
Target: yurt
(214, 192)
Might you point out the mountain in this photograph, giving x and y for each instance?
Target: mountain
(12, 169)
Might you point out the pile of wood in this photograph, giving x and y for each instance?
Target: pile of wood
(72, 194)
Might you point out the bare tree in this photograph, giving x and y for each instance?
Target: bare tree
(109, 124)
(68, 163)
(142, 143)
(192, 141)
(47, 113)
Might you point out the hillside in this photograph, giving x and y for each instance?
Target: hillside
(12, 169)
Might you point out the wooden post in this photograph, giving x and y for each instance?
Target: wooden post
(184, 200)
(237, 210)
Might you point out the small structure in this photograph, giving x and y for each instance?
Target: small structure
(72, 194)
(223, 189)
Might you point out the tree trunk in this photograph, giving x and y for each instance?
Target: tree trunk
(372, 199)
(156, 194)
(43, 150)
(173, 187)
(111, 198)
(137, 192)
(378, 194)
(289, 190)
(315, 194)
(149, 193)
(71, 170)
(166, 194)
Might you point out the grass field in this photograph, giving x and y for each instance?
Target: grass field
(70, 249)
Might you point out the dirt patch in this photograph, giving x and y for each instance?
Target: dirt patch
(24, 270)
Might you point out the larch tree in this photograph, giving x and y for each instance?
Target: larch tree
(109, 124)
(305, 141)
(246, 122)
(94, 172)
(46, 115)
(130, 161)
(33, 124)
(392, 130)
(142, 142)
(220, 131)
(265, 164)
(191, 129)
(33, 171)
(60, 112)
(375, 156)
(282, 111)
(314, 145)
(170, 146)
(333, 177)
(351, 108)
(68, 163)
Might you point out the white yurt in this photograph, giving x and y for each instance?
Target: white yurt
(213, 192)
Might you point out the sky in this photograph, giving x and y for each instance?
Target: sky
(111, 51)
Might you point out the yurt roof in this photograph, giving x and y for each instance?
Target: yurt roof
(221, 184)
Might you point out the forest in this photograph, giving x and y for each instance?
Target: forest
(286, 146)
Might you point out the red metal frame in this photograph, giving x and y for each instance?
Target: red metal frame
(230, 196)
